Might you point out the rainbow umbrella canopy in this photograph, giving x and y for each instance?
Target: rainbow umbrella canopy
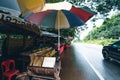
(60, 18)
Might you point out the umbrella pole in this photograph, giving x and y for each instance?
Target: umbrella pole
(58, 30)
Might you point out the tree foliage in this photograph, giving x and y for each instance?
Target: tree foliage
(109, 29)
(102, 6)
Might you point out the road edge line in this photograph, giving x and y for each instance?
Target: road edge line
(98, 74)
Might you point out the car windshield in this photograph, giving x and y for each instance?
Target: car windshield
(117, 44)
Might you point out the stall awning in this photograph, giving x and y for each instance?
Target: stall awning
(10, 24)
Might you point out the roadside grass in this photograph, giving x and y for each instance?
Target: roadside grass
(98, 42)
(101, 42)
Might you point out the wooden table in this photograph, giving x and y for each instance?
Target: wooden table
(47, 74)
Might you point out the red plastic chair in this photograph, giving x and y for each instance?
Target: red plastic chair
(8, 69)
(61, 49)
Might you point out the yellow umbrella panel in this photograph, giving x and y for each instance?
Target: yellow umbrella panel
(29, 6)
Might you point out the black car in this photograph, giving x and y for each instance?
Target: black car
(112, 51)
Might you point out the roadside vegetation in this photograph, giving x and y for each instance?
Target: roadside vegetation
(110, 30)
(106, 33)
(101, 42)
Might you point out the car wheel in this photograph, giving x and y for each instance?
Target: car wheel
(106, 55)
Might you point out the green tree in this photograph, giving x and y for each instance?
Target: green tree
(109, 29)
(102, 6)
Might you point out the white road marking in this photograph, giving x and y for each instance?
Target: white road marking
(96, 71)
(98, 74)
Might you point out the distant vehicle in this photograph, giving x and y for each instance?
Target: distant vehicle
(112, 51)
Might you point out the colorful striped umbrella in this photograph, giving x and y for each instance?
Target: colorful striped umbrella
(60, 18)
(29, 6)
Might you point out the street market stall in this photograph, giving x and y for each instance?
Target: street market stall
(17, 32)
(18, 44)
(16, 36)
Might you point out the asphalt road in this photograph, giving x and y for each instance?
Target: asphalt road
(85, 62)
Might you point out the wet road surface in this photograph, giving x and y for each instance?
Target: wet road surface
(75, 67)
(85, 62)
(109, 70)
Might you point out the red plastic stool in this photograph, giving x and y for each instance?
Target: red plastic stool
(8, 69)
